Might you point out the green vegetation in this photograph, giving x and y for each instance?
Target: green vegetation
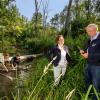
(17, 34)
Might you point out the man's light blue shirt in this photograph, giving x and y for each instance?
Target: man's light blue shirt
(94, 37)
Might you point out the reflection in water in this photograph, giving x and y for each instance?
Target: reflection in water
(6, 83)
(13, 80)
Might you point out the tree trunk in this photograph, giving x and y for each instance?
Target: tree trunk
(45, 14)
(67, 21)
(36, 16)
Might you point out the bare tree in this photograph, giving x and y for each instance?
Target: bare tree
(37, 7)
(67, 21)
(45, 4)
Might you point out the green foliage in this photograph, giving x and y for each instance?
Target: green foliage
(11, 24)
(38, 44)
(78, 27)
(15, 30)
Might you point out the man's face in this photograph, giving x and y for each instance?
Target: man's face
(18, 57)
(91, 32)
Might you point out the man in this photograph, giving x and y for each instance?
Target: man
(92, 54)
(16, 60)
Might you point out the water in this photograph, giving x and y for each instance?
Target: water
(13, 81)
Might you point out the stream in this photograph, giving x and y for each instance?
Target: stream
(13, 80)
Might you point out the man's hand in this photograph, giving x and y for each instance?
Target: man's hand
(82, 51)
(85, 55)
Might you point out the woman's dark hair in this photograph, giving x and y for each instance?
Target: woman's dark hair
(57, 37)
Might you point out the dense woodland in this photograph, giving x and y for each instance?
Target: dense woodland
(18, 34)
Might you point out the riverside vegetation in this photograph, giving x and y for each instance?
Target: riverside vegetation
(18, 34)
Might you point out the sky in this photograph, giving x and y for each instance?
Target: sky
(26, 7)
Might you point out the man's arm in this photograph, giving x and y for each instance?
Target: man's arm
(3, 65)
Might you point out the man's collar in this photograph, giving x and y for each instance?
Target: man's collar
(95, 37)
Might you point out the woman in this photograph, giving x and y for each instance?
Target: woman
(60, 51)
(7, 62)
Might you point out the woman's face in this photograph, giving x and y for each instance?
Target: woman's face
(61, 41)
(6, 56)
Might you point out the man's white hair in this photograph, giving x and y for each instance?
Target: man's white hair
(92, 26)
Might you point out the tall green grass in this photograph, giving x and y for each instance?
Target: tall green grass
(44, 89)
